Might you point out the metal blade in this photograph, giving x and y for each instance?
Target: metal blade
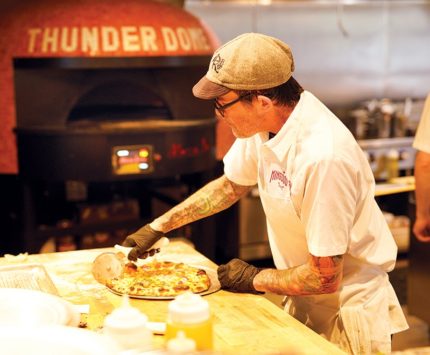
(107, 266)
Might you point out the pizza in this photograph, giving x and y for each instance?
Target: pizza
(160, 279)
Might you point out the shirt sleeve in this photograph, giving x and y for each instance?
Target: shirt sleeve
(328, 208)
(422, 136)
(241, 162)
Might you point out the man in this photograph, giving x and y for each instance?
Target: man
(422, 176)
(330, 243)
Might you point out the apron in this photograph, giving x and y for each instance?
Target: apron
(363, 314)
(358, 325)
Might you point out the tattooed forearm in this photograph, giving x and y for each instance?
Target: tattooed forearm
(318, 276)
(210, 199)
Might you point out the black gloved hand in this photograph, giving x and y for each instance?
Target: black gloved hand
(237, 276)
(141, 241)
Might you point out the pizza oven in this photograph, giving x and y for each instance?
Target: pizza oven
(107, 132)
(110, 119)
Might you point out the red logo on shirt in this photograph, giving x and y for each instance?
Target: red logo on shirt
(281, 178)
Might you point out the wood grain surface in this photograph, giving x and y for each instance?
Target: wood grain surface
(243, 323)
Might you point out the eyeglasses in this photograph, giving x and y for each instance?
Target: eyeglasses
(221, 108)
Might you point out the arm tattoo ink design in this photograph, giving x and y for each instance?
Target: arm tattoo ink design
(320, 275)
(212, 198)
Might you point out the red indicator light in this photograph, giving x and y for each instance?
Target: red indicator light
(177, 150)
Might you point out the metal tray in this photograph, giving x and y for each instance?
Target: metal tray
(28, 276)
(213, 276)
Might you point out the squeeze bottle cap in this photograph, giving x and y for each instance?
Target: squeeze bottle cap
(126, 316)
(189, 308)
(181, 344)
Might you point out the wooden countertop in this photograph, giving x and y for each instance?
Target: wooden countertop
(243, 323)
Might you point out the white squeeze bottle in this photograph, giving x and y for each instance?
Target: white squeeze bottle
(190, 314)
(128, 327)
(181, 344)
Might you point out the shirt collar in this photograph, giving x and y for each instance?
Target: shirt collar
(281, 143)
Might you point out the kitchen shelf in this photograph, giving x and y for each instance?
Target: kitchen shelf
(394, 186)
(90, 228)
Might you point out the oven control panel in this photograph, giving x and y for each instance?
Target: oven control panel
(132, 159)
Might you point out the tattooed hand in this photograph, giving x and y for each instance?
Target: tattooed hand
(141, 241)
(237, 276)
(320, 275)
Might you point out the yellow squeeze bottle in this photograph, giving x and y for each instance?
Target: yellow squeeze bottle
(190, 314)
(392, 164)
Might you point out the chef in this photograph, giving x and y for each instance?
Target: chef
(330, 243)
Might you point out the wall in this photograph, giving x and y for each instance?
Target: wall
(345, 51)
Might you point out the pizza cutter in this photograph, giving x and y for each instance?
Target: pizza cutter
(109, 265)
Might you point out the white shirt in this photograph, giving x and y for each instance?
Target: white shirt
(317, 191)
(422, 136)
(315, 162)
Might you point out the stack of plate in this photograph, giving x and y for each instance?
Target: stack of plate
(35, 308)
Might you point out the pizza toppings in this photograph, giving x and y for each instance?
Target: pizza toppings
(160, 279)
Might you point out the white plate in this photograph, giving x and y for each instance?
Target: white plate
(54, 340)
(34, 308)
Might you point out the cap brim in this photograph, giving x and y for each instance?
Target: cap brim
(207, 90)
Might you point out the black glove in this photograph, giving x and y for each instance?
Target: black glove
(141, 240)
(237, 276)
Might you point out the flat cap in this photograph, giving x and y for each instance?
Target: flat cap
(251, 61)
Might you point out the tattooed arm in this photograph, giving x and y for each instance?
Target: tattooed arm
(210, 199)
(318, 276)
